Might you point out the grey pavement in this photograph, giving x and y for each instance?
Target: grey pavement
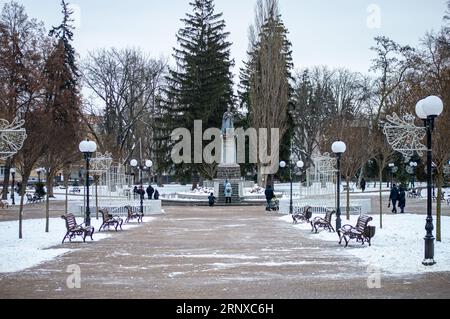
(220, 253)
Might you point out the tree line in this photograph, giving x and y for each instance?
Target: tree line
(131, 101)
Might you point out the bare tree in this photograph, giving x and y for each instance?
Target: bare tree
(353, 132)
(20, 38)
(125, 82)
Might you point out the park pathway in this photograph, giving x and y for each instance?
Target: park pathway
(200, 253)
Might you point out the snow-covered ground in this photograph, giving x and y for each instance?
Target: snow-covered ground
(398, 248)
(36, 246)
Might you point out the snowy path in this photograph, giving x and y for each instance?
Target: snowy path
(219, 253)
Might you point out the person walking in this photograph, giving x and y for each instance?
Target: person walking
(402, 200)
(211, 200)
(393, 197)
(150, 191)
(269, 196)
(363, 185)
(156, 195)
(228, 192)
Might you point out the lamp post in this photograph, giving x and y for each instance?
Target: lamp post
(413, 165)
(299, 165)
(143, 166)
(338, 148)
(428, 109)
(13, 175)
(39, 171)
(87, 148)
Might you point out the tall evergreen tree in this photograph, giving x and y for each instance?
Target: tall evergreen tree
(62, 101)
(201, 86)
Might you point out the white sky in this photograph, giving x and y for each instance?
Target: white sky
(323, 32)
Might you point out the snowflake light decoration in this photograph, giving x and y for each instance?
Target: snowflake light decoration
(404, 136)
(12, 137)
(324, 163)
(101, 163)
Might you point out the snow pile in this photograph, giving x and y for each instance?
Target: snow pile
(35, 247)
(203, 190)
(398, 248)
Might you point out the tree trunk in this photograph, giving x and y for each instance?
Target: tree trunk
(67, 172)
(348, 197)
(66, 201)
(47, 203)
(6, 179)
(194, 180)
(159, 180)
(380, 176)
(47, 212)
(23, 190)
(50, 183)
(439, 179)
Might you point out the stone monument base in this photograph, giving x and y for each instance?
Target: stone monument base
(238, 190)
(229, 172)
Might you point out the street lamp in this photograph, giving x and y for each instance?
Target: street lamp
(87, 148)
(428, 109)
(299, 165)
(13, 175)
(39, 171)
(413, 165)
(338, 148)
(146, 164)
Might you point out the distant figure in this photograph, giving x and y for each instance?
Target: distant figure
(269, 196)
(156, 195)
(135, 192)
(211, 200)
(394, 198)
(150, 191)
(228, 192)
(141, 192)
(402, 200)
(363, 185)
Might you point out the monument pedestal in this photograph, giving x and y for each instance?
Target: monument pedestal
(238, 190)
(229, 171)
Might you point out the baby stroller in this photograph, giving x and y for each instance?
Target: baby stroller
(274, 205)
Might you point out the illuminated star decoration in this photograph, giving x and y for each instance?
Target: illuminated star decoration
(404, 136)
(12, 137)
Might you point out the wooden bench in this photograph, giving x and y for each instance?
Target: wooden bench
(4, 204)
(361, 232)
(110, 220)
(302, 216)
(74, 230)
(324, 223)
(133, 214)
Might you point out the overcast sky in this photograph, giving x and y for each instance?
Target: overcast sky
(337, 33)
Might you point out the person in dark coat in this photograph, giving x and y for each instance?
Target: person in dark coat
(211, 200)
(393, 197)
(141, 192)
(150, 192)
(402, 200)
(269, 196)
(363, 185)
(156, 195)
(135, 192)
